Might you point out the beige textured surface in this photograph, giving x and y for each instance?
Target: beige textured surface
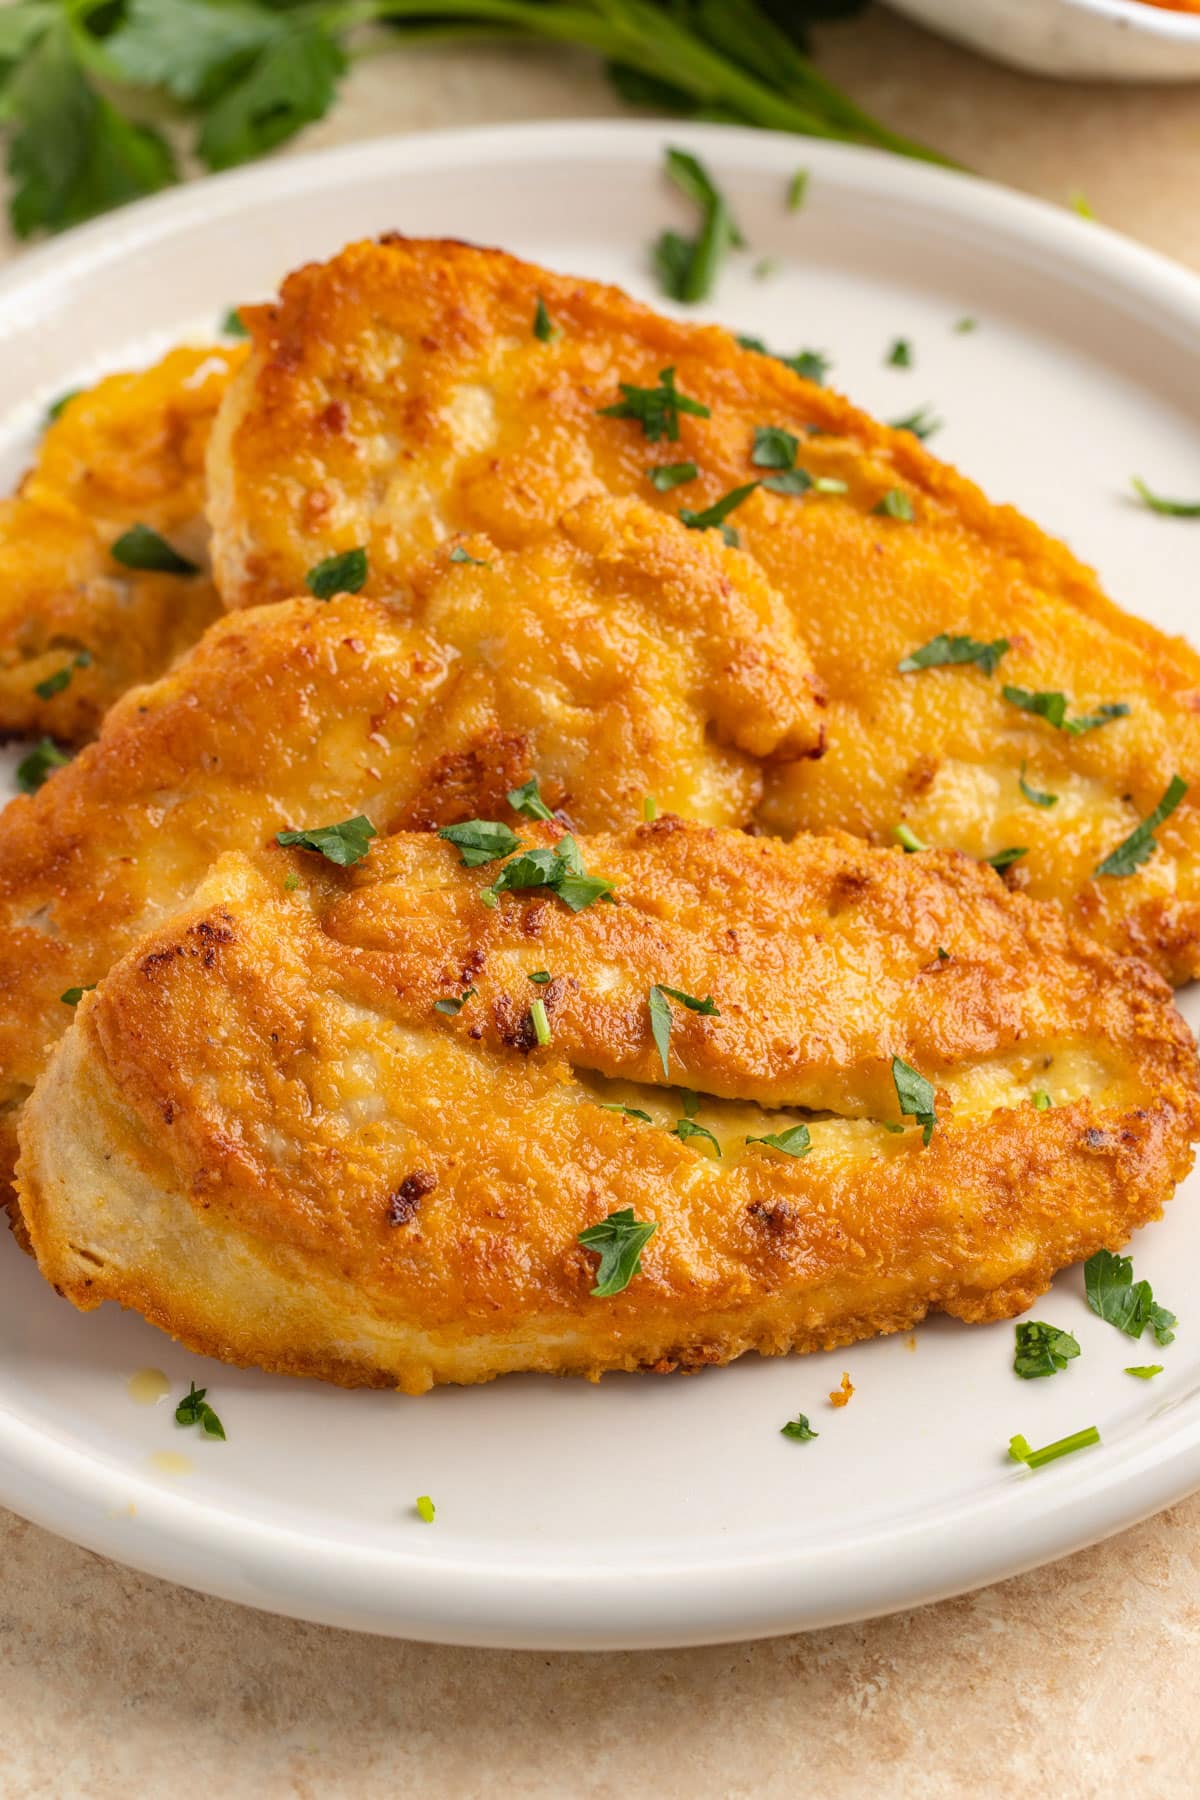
(1078, 1679)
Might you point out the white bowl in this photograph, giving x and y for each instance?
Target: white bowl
(1099, 40)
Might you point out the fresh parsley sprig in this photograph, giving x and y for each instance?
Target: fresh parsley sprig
(194, 1409)
(656, 410)
(1116, 1297)
(1042, 1349)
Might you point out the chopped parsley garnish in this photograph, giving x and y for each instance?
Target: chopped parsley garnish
(797, 190)
(900, 355)
(619, 1242)
(291, 881)
(61, 678)
(426, 1510)
(459, 555)
(764, 267)
(528, 800)
(143, 548)
(915, 1096)
(665, 476)
(691, 1102)
(1034, 795)
(344, 573)
(905, 836)
(1139, 846)
(1145, 1371)
(657, 409)
(74, 995)
(560, 870)
(798, 1429)
(231, 324)
(1042, 1350)
(660, 1016)
(895, 505)
(452, 1007)
(922, 423)
(1052, 706)
(1004, 859)
(684, 1129)
(544, 328)
(630, 1112)
(1041, 1100)
(1171, 509)
(718, 512)
(539, 1021)
(344, 844)
(774, 448)
(540, 977)
(795, 1141)
(194, 1409)
(1082, 205)
(39, 764)
(688, 267)
(812, 365)
(1019, 1450)
(58, 407)
(946, 649)
(1116, 1297)
(965, 325)
(649, 809)
(480, 841)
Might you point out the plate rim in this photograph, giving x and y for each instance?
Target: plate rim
(398, 1592)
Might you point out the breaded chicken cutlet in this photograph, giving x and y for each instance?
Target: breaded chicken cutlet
(399, 393)
(619, 658)
(319, 1130)
(78, 626)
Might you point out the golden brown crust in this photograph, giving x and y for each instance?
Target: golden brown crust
(128, 451)
(397, 393)
(261, 1134)
(621, 656)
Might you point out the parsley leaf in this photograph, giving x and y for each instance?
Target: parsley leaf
(799, 1430)
(1004, 859)
(74, 995)
(194, 1409)
(481, 841)
(1114, 1296)
(1019, 1450)
(1052, 706)
(231, 324)
(774, 448)
(630, 1112)
(1042, 1349)
(1145, 1371)
(900, 355)
(58, 407)
(544, 328)
(1041, 1100)
(660, 1016)
(451, 1007)
(946, 649)
(688, 267)
(1032, 794)
(39, 764)
(922, 423)
(684, 1129)
(528, 800)
(71, 154)
(1171, 509)
(795, 1141)
(1139, 846)
(343, 573)
(657, 409)
(142, 548)
(344, 844)
(459, 555)
(540, 976)
(718, 512)
(914, 1095)
(558, 869)
(61, 678)
(895, 505)
(289, 83)
(811, 365)
(619, 1242)
(666, 476)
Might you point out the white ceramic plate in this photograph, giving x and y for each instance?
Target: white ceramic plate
(1094, 40)
(649, 1511)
